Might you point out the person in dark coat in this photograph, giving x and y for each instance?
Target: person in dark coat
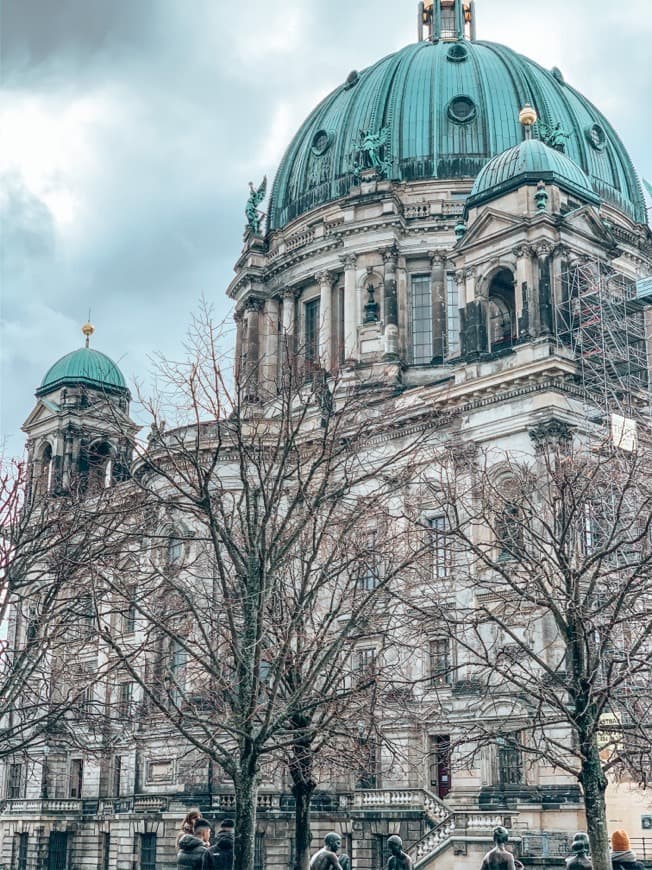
(220, 854)
(622, 857)
(193, 847)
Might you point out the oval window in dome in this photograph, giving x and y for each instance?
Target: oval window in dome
(596, 136)
(321, 142)
(461, 110)
(457, 52)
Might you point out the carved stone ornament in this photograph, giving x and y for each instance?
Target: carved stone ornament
(390, 255)
(254, 303)
(552, 434)
(543, 248)
(325, 278)
(523, 250)
(437, 258)
(349, 261)
(459, 276)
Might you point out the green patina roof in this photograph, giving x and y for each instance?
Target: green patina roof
(529, 163)
(84, 366)
(411, 93)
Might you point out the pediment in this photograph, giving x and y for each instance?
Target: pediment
(489, 224)
(586, 221)
(43, 411)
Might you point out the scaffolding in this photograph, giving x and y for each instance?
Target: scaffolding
(601, 318)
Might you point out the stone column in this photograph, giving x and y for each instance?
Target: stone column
(254, 308)
(390, 312)
(325, 319)
(438, 290)
(237, 362)
(269, 367)
(542, 306)
(287, 330)
(525, 292)
(351, 310)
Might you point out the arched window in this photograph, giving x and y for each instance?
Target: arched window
(100, 467)
(44, 482)
(502, 311)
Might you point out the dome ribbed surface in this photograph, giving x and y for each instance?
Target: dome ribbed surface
(447, 108)
(530, 162)
(84, 366)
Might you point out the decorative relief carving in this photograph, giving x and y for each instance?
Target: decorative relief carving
(523, 250)
(349, 261)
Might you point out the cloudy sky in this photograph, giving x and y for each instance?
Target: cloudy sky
(130, 129)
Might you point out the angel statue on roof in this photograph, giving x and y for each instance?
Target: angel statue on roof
(252, 211)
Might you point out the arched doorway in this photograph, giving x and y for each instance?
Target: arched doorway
(501, 327)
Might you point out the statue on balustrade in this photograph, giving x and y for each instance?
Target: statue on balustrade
(399, 860)
(326, 858)
(579, 860)
(499, 858)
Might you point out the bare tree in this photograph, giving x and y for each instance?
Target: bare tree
(273, 537)
(552, 617)
(46, 546)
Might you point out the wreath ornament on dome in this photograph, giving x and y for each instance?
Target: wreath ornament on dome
(372, 154)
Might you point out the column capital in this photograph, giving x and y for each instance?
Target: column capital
(254, 303)
(325, 277)
(437, 258)
(390, 254)
(460, 275)
(238, 315)
(543, 248)
(523, 250)
(349, 260)
(290, 293)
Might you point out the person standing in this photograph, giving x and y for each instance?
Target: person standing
(622, 857)
(193, 847)
(220, 854)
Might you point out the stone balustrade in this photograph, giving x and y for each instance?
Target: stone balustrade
(39, 807)
(266, 801)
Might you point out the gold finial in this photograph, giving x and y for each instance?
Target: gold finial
(528, 115)
(88, 329)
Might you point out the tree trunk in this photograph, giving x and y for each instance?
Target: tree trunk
(594, 786)
(302, 792)
(246, 795)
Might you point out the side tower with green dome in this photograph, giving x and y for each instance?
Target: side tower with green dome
(80, 433)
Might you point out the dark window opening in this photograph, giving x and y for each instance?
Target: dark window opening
(421, 322)
(15, 781)
(440, 662)
(259, 851)
(509, 533)
(58, 851)
(76, 778)
(510, 760)
(502, 311)
(440, 764)
(19, 857)
(99, 473)
(148, 851)
(311, 345)
(442, 559)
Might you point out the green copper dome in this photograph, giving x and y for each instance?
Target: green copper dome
(84, 366)
(529, 163)
(442, 110)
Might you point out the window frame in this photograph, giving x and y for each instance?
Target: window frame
(440, 677)
(421, 313)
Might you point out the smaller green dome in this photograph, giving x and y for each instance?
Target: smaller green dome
(529, 163)
(84, 366)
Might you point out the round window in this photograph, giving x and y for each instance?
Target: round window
(457, 52)
(321, 142)
(461, 110)
(596, 136)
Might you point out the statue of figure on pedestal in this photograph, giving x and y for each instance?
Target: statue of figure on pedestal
(579, 860)
(399, 860)
(326, 858)
(499, 858)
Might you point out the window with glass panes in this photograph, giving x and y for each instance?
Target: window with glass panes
(440, 661)
(312, 332)
(441, 544)
(19, 860)
(15, 781)
(125, 693)
(510, 760)
(421, 320)
(452, 316)
(148, 851)
(259, 851)
(370, 568)
(364, 660)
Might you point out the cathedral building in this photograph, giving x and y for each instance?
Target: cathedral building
(451, 228)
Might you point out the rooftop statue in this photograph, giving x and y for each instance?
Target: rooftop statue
(251, 210)
(373, 152)
(553, 136)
